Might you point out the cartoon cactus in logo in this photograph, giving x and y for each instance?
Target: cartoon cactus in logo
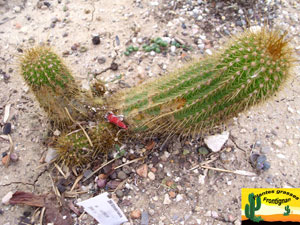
(206, 93)
(53, 85)
(287, 210)
(251, 208)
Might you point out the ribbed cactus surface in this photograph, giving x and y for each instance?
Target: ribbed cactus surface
(53, 85)
(206, 93)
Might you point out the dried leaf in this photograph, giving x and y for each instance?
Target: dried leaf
(20, 197)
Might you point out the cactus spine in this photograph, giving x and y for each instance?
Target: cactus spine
(251, 208)
(287, 210)
(208, 92)
(53, 85)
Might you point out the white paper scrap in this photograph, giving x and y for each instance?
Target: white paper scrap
(104, 210)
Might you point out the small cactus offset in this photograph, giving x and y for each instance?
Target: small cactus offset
(206, 93)
(251, 208)
(81, 147)
(53, 85)
(287, 210)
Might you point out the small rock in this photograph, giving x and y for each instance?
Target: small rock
(114, 66)
(96, 40)
(208, 51)
(280, 156)
(119, 193)
(203, 151)
(113, 184)
(101, 183)
(4, 159)
(216, 142)
(172, 194)
(278, 144)
(179, 198)
(50, 155)
(151, 176)
(167, 200)
(83, 49)
(7, 197)
(56, 133)
(101, 60)
(87, 173)
(145, 218)
(291, 110)
(208, 213)
(135, 214)
(265, 149)
(7, 128)
(173, 49)
(122, 175)
(14, 157)
(142, 170)
(214, 214)
(17, 9)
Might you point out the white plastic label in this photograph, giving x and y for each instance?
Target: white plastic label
(104, 210)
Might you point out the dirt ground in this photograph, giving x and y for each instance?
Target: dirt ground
(200, 196)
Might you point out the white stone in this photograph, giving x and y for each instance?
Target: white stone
(56, 133)
(173, 48)
(208, 51)
(201, 179)
(216, 142)
(278, 143)
(151, 176)
(179, 198)
(7, 197)
(291, 110)
(50, 155)
(208, 213)
(214, 214)
(280, 156)
(167, 200)
(17, 9)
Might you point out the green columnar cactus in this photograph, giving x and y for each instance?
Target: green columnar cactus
(250, 209)
(53, 85)
(287, 210)
(206, 93)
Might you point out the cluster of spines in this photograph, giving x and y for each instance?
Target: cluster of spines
(250, 69)
(79, 148)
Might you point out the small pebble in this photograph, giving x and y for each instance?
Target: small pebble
(145, 218)
(173, 49)
(135, 214)
(83, 49)
(167, 200)
(96, 40)
(122, 175)
(6, 198)
(278, 143)
(4, 160)
(142, 170)
(7, 128)
(101, 60)
(14, 157)
(119, 193)
(151, 176)
(172, 194)
(114, 66)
